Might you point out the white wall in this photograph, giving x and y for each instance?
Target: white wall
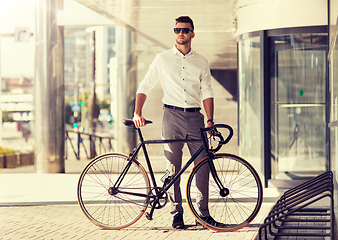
(255, 15)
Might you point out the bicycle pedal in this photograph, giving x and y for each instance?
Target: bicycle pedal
(166, 175)
(148, 216)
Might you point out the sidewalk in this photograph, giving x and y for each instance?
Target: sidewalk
(68, 222)
(44, 206)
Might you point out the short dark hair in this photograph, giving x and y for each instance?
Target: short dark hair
(185, 19)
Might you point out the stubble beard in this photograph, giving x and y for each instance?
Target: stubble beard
(183, 42)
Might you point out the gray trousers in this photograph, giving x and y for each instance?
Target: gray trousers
(184, 125)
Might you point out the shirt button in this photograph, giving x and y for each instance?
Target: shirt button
(183, 67)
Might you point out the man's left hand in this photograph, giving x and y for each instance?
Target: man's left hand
(210, 124)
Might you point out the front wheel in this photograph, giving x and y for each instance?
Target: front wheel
(112, 191)
(230, 208)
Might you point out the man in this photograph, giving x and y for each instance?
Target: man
(185, 78)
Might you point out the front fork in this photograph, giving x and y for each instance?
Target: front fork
(223, 191)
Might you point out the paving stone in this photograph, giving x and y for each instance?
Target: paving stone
(68, 222)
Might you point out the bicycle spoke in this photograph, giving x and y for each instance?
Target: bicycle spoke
(108, 207)
(243, 197)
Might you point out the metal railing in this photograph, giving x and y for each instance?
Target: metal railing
(292, 215)
(87, 144)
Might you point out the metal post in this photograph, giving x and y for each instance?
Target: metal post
(78, 144)
(114, 98)
(93, 116)
(49, 89)
(76, 90)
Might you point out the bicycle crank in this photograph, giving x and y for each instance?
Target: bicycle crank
(158, 197)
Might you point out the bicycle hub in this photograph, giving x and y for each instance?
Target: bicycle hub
(224, 192)
(112, 191)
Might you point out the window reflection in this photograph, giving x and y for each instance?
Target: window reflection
(298, 72)
(249, 101)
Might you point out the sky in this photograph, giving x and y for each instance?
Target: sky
(17, 58)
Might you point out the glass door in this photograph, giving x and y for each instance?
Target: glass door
(298, 110)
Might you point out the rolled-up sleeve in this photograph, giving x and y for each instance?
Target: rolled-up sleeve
(206, 90)
(151, 77)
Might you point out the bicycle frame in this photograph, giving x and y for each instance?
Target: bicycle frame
(114, 190)
(142, 144)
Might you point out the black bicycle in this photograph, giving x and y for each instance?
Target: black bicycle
(114, 190)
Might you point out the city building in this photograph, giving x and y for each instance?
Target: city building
(17, 101)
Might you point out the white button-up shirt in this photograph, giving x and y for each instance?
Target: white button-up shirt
(185, 79)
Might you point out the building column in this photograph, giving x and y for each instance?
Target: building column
(101, 52)
(49, 89)
(126, 86)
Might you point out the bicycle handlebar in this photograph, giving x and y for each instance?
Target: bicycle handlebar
(219, 135)
(130, 123)
(231, 132)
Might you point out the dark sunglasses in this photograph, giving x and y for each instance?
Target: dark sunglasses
(184, 30)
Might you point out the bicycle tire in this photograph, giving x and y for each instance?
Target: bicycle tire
(112, 211)
(240, 206)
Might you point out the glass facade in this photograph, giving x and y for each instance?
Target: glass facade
(333, 79)
(250, 101)
(298, 86)
(77, 58)
(294, 73)
(302, 71)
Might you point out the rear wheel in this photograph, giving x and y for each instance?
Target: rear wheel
(233, 207)
(108, 205)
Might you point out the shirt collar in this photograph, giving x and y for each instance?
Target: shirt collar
(177, 52)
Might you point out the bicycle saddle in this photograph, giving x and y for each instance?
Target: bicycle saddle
(130, 123)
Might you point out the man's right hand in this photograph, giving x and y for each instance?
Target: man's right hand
(139, 121)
